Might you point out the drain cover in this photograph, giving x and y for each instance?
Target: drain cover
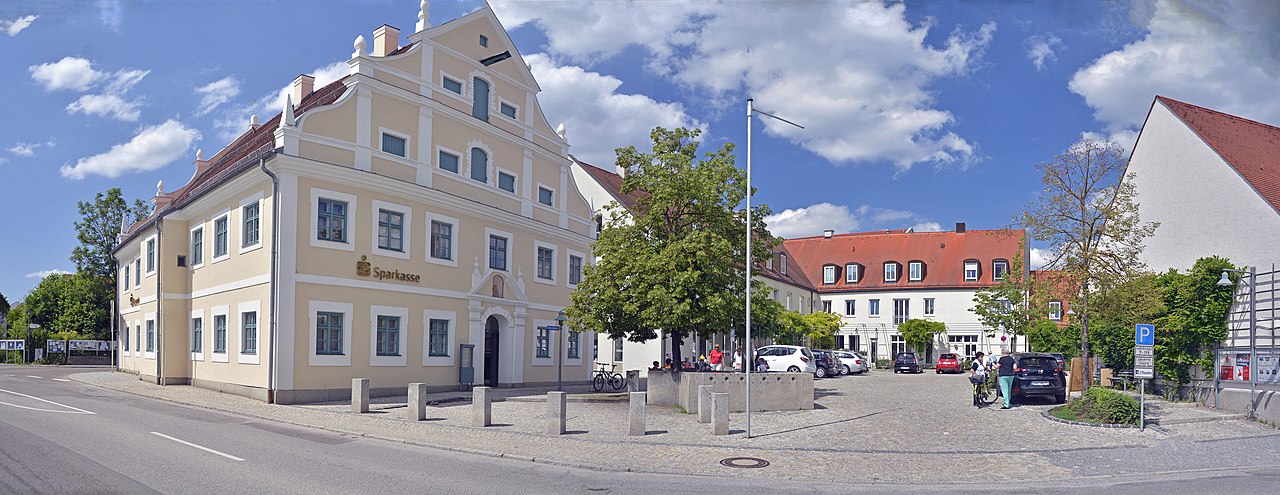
(744, 462)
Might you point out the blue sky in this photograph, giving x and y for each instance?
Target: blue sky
(917, 114)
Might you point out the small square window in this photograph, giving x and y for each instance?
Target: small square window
(393, 144)
(448, 161)
(546, 196)
(182, 260)
(506, 182)
(507, 110)
(484, 41)
(451, 85)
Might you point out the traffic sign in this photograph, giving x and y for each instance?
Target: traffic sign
(1144, 334)
(1144, 362)
(552, 328)
(1143, 373)
(1143, 351)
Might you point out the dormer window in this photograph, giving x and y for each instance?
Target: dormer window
(782, 263)
(1000, 269)
(828, 275)
(890, 272)
(768, 263)
(971, 271)
(852, 273)
(915, 271)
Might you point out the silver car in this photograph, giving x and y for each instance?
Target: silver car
(852, 362)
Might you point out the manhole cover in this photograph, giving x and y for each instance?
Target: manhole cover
(744, 462)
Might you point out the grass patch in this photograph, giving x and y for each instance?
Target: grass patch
(1100, 406)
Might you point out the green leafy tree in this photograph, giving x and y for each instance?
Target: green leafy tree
(1047, 336)
(75, 303)
(1194, 318)
(817, 330)
(1012, 304)
(4, 305)
(1117, 307)
(97, 230)
(1088, 215)
(675, 263)
(917, 334)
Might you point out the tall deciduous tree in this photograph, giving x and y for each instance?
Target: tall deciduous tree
(675, 263)
(1014, 303)
(97, 230)
(76, 302)
(1088, 216)
(917, 334)
(817, 330)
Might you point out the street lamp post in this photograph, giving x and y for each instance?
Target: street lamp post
(560, 350)
(1225, 281)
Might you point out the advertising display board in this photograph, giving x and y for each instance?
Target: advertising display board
(1233, 366)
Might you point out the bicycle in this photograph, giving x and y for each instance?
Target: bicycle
(609, 377)
(984, 392)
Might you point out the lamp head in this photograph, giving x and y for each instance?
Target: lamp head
(1071, 312)
(1225, 281)
(560, 316)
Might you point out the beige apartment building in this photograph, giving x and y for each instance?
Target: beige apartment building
(414, 221)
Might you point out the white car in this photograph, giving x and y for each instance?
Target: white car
(852, 362)
(788, 358)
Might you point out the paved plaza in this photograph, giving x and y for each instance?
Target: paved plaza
(878, 427)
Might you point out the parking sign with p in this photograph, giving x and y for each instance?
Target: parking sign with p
(1144, 334)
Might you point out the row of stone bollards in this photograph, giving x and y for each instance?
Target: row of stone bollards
(712, 407)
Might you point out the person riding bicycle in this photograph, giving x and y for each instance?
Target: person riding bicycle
(978, 377)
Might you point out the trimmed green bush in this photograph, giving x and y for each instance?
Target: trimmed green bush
(1103, 405)
(884, 364)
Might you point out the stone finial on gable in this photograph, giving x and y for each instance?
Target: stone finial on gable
(424, 18)
(560, 131)
(253, 122)
(359, 46)
(287, 118)
(199, 155)
(160, 188)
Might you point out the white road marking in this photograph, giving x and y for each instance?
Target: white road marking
(189, 444)
(61, 380)
(74, 410)
(32, 376)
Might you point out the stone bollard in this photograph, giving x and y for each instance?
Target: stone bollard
(359, 395)
(633, 381)
(704, 403)
(720, 414)
(481, 407)
(417, 401)
(556, 413)
(636, 415)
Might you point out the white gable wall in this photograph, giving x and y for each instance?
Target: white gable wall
(1203, 205)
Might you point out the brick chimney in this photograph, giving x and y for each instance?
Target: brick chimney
(386, 39)
(960, 227)
(826, 234)
(303, 85)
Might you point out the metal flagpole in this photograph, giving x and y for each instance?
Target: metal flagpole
(749, 349)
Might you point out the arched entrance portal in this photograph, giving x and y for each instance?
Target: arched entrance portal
(491, 351)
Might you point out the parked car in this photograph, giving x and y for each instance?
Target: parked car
(907, 362)
(824, 364)
(852, 362)
(1038, 374)
(949, 363)
(837, 362)
(789, 358)
(1062, 359)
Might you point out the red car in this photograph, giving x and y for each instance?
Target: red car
(949, 363)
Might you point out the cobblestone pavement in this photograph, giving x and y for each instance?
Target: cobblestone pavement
(878, 427)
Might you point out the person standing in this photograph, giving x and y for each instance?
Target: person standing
(717, 359)
(977, 376)
(738, 363)
(1006, 363)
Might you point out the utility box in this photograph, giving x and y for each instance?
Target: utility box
(466, 364)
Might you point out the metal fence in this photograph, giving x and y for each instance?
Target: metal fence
(1249, 358)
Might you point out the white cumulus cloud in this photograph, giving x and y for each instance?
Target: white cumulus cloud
(24, 149)
(234, 121)
(866, 98)
(1222, 54)
(1040, 257)
(597, 117)
(12, 28)
(152, 148)
(45, 273)
(71, 73)
(216, 93)
(927, 227)
(814, 219)
(78, 74)
(106, 105)
(1041, 49)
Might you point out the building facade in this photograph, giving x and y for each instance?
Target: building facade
(414, 221)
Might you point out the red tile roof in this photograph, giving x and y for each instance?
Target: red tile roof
(795, 273)
(612, 183)
(943, 254)
(243, 152)
(1252, 148)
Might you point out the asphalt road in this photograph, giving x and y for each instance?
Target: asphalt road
(58, 436)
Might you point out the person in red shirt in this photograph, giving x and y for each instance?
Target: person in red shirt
(717, 358)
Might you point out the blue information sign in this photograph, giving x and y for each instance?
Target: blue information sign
(552, 328)
(1144, 334)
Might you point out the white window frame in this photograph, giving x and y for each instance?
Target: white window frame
(930, 306)
(582, 339)
(352, 212)
(768, 263)
(196, 314)
(374, 358)
(461, 81)
(555, 250)
(408, 143)
(511, 243)
(568, 280)
(204, 243)
(976, 270)
(137, 272)
(347, 310)
(214, 312)
(256, 198)
(155, 338)
(851, 307)
(155, 261)
(515, 186)
(896, 275)
(873, 308)
(915, 271)
(551, 344)
(137, 337)
(828, 274)
(241, 309)
(852, 273)
(407, 227)
(450, 346)
(213, 248)
(450, 151)
(1055, 315)
(782, 265)
(453, 240)
(502, 102)
(537, 200)
(995, 272)
(490, 168)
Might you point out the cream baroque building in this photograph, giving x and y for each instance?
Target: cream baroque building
(409, 222)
